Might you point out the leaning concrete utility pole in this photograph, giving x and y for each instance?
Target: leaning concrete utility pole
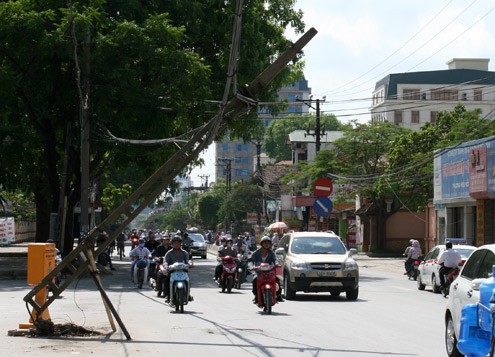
(154, 186)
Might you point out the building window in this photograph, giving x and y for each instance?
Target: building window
(478, 95)
(242, 147)
(225, 147)
(415, 117)
(292, 97)
(241, 160)
(410, 94)
(442, 94)
(398, 117)
(433, 116)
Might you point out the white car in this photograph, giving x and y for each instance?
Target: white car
(466, 290)
(428, 274)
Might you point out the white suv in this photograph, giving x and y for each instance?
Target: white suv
(466, 290)
(317, 262)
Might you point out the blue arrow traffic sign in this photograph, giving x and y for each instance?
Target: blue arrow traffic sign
(323, 206)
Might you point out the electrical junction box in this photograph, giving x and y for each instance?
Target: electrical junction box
(41, 261)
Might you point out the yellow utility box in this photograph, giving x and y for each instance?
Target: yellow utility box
(41, 261)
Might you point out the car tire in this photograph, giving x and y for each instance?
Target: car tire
(421, 286)
(290, 294)
(434, 286)
(352, 294)
(451, 339)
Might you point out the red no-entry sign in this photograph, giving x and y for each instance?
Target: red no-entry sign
(322, 187)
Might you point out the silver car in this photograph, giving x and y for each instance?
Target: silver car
(317, 262)
(198, 245)
(466, 290)
(428, 271)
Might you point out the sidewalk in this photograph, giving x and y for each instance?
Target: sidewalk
(13, 261)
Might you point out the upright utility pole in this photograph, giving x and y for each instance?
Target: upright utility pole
(85, 133)
(318, 133)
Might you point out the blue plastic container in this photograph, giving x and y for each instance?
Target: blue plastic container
(486, 291)
(473, 341)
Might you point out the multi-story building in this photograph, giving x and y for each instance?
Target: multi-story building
(413, 99)
(236, 160)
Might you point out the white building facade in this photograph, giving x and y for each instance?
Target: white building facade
(413, 99)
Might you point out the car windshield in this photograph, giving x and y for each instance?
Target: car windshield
(317, 245)
(196, 237)
(465, 253)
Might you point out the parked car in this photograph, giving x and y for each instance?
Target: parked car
(466, 290)
(317, 262)
(198, 245)
(428, 271)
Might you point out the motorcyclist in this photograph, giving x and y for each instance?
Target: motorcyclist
(264, 254)
(275, 240)
(186, 242)
(175, 255)
(228, 249)
(412, 252)
(121, 238)
(449, 259)
(102, 237)
(134, 238)
(241, 247)
(152, 243)
(159, 255)
(139, 252)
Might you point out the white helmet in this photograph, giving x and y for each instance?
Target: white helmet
(264, 239)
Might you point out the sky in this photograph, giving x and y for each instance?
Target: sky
(361, 41)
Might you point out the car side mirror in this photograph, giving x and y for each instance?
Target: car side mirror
(352, 252)
(475, 284)
(280, 251)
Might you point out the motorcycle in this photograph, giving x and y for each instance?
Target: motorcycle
(413, 269)
(241, 270)
(179, 285)
(449, 278)
(229, 272)
(157, 282)
(266, 286)
(141, 271)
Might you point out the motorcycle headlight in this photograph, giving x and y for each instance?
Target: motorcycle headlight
(299, 265)
(350, 265)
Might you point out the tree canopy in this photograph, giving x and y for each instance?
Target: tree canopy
(151, 70)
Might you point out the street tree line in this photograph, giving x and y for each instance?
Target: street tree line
(152, 70)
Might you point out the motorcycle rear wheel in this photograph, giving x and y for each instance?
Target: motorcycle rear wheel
(267, 301)
(230, 284)
(140, 278)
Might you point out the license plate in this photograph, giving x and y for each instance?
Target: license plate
(326, 273)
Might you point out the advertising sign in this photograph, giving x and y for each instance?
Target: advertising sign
(7, 230)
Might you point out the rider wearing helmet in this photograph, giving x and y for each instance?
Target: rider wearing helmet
(176, 255)
(223, 251)
(407, 263)
(264, 254)
(139, 252)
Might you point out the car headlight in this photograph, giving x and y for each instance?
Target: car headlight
(350, 264)
(299, 266)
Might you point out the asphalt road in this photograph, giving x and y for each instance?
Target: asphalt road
(391, 317)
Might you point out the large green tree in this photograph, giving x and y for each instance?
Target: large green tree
(149, 68)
